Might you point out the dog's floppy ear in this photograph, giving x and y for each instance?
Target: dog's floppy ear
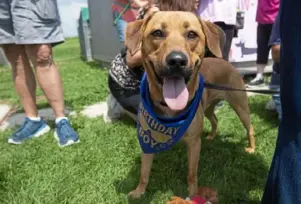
(133, 36)
(215, 38)
(134, 30)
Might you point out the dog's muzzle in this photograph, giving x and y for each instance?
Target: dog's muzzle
(176, 66)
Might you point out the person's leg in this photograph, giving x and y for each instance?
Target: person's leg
(128, 99)
(25, 85)
(277, 101)
(48, 76)
(229, 31)
(120, 27)
(114, 109)
(51, 84)
(274, 104)
(274, 85)
(131, 103)
(23, 77)
(39, 33)
(263, 49)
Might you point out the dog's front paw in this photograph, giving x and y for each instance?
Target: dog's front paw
(250, 150)
(192, 189)
(137, 193)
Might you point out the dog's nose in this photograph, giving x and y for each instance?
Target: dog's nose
(176, 60)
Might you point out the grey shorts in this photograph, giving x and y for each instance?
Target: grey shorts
(30, 22)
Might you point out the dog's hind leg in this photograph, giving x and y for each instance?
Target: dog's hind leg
(239, 102)
(209, 113)
(146, 165)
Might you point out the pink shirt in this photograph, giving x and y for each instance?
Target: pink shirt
(267, 11)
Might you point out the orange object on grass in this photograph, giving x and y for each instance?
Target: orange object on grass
(204, 195)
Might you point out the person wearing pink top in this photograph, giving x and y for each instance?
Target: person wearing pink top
(267, 11)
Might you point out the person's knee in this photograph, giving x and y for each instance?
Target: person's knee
(41, 55)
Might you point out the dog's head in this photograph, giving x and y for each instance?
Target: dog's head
(173, 44)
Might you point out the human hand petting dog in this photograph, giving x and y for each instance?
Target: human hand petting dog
(150, 9)
(140, 3)
(205, 195)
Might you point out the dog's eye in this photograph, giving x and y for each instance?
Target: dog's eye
(157, 34)
(191, 35)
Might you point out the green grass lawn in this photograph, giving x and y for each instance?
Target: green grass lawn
(105, 166)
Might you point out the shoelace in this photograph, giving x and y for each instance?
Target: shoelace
(64, 127)
(24, 127)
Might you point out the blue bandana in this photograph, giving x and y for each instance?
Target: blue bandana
(157, 133)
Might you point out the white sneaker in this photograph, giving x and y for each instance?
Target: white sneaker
(257, 81)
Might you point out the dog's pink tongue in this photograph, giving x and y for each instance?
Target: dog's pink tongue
(175, 93)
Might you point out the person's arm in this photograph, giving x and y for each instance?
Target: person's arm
(136, 60)
(197, 4)
(133, 60)
(275, 40)
(276, 53)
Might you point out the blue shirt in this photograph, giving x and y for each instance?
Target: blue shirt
(275, 40)
(284, 180)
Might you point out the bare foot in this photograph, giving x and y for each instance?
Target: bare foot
(250, 150)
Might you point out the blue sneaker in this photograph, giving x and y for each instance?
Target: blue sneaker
(65, 134)
(30, 128)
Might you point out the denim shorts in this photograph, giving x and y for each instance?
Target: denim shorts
(275, 85)
(120, 27)
(30, 22)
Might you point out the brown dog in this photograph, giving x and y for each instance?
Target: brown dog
(173, 47)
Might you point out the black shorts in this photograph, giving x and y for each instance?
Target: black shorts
(128, 99)
(263, 48)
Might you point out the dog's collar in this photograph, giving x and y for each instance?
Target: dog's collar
(159, 133)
